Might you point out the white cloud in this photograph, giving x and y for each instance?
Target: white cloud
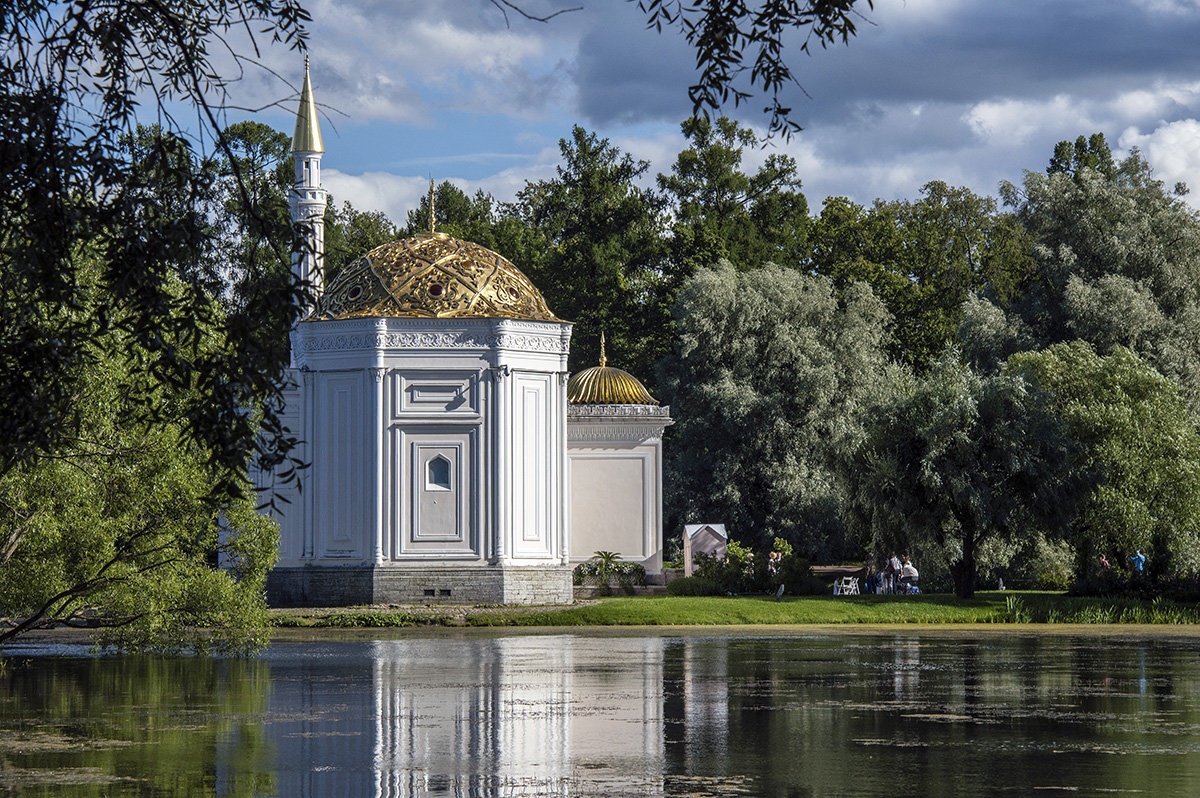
(1173, 150)
(1016, 121)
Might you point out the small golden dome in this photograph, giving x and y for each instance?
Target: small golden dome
(431, 276)
(601, 385)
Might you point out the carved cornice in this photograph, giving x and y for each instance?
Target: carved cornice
(548, 342)
(625, 423)
(613, 433)
(622, 412)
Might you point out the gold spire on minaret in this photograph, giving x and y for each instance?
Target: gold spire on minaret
(307, 137)
(432, 210)
(603, 357)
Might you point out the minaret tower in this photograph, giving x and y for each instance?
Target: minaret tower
(307, 198)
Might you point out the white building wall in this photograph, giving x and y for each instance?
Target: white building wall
(381, 398)
(615, 481)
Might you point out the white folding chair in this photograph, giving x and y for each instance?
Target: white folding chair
(849, 586)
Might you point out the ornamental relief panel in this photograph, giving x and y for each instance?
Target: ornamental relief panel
(433, 340)
(619, 411)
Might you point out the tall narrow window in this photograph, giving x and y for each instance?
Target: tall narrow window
(437, 474)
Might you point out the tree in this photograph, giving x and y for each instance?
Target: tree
(954, 460)
(767, 378)
(1085, 153)
(70, 78)
(351, 233)
(1139, 441)
(592, 243)
(721, 212)
(923, 259)
(118, 529)
(1117, 264)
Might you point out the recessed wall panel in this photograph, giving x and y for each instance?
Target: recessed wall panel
(532, 464)
(433, 494)
(442, 394)
(339, 457)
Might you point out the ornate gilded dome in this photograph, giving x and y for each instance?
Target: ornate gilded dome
(432, 276)
(601, 385)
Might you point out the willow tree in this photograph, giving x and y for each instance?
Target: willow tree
(1117, 262)
(1138, 440)
(767, 378)
(954, 460)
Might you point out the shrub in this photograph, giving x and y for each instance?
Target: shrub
(745, 571)
(606, 569)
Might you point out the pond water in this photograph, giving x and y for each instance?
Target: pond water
(779, 714)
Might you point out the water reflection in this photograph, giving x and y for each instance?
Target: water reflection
(515, 715)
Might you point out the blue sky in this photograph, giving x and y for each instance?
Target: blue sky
(967, 91)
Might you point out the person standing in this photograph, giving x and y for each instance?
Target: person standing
(893, 570)
(1139, 562)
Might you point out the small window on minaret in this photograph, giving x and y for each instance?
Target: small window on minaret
(437, 474)
(307, 176)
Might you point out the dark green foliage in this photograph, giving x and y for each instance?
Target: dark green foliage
(69, 76)
(956, 460)
(594, 248)
(1085, 153)
(746, 571)
(923, 259)
(722, 213)
(351, 233)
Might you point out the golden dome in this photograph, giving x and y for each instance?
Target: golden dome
(601, 385)
(432, 276)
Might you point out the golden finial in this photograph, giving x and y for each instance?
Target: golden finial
(603, 357)
(432, 210)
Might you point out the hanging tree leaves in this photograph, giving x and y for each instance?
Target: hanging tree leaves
(733, 36)
(75, 78)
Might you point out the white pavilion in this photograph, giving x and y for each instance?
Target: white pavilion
(429, 388)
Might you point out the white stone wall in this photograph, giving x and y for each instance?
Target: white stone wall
(615, 455)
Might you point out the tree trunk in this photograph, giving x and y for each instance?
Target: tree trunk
(963, 571)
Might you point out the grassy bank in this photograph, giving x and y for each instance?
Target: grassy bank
(990, 607)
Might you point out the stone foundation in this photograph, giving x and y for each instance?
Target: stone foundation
(333, 586)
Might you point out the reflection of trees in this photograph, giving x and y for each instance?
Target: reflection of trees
(193, 721)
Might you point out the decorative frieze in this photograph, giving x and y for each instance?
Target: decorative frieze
(371, 341)
(619, 411)
(607, 432)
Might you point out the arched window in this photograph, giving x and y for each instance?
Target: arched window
(437, 474)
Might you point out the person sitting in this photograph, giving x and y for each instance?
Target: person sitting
(908, 576)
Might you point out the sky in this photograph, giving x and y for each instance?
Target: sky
(971, 92)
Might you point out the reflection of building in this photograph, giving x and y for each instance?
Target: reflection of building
(429, 390)
(507, 716)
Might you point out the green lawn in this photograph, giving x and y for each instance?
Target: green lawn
(986, 607)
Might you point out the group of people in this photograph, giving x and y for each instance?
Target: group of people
(899, 575)
(1137, 561)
